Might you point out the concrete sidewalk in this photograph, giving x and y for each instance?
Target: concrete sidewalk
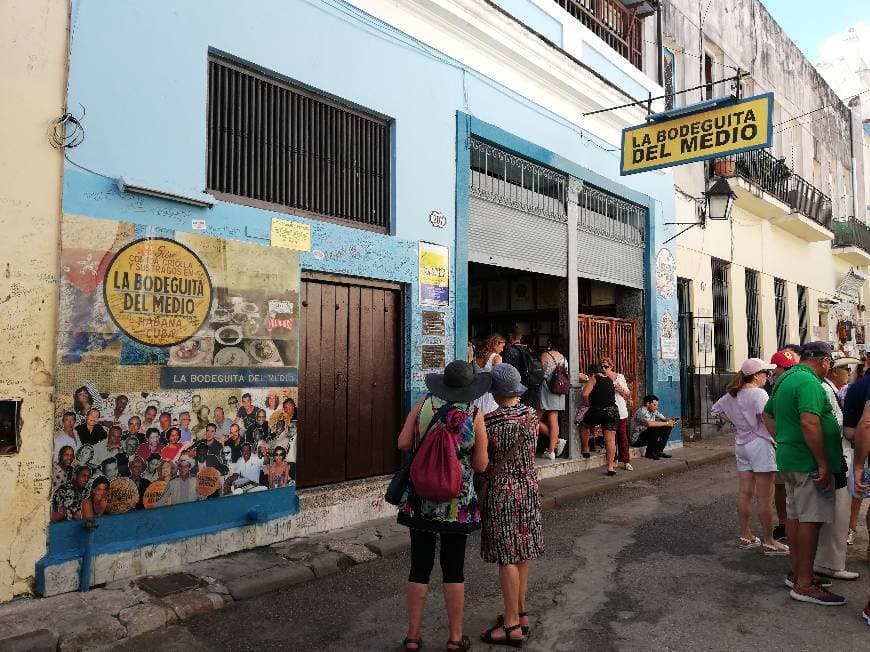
(106, 616)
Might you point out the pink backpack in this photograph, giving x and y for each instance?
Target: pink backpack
(435, 472)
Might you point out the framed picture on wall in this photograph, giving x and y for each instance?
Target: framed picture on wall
(548, 294)
(522, 294)
(497, 296)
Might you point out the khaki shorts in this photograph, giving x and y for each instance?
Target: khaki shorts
(803, 502)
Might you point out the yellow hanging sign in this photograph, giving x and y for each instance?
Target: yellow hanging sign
(741, 126)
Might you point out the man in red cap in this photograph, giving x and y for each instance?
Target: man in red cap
(784, 359)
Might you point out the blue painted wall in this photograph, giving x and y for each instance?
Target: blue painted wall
(140, 69)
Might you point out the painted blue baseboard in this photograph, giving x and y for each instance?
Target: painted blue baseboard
(67, 539)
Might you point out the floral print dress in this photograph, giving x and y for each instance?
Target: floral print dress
(460, 515)
(512, 530)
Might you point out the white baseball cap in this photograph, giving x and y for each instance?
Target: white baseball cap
(753, 365)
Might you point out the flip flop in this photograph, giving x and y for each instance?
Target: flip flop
(773, 551)
(415, 641)
(748, 544)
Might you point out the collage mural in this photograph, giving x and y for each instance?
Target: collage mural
(177, 369)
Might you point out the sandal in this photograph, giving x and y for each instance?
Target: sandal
(462, 645)
(416, 641)
(773, 551)
(523, 614)
(486, 636)
(748, 544)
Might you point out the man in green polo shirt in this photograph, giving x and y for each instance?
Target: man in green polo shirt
(808, 453)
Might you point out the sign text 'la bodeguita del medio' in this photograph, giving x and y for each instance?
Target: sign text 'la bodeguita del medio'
(738, 127)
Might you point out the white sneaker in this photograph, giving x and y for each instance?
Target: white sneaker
(560, 446)
(837, 574)
(628, 467)
(548, 455)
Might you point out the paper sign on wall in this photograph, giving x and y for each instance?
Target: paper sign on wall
(291, 235)
(434, 274)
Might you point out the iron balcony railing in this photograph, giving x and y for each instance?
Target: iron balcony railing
(776, 178)
(851, 233)
(613, 23)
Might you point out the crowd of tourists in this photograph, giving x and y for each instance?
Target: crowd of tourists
(802, 442)
(470, 444)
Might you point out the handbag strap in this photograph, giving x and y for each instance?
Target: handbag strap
(497, 469)
(439, 414)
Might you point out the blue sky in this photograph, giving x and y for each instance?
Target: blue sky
(809, 22)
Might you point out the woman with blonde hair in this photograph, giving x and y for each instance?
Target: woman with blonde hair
(623, 399)
(485, 359)
(755, 450)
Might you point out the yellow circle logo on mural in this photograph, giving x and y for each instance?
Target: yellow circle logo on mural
(153, 493)
(157, 291)
(123, 496)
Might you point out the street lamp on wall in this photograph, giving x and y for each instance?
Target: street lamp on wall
(719, 200)
(714, 204)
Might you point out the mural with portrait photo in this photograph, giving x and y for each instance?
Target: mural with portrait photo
(177, 369)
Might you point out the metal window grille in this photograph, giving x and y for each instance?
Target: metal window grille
(803, 313)
(610, 216)
(506, 179)
(278, 146)
(781, 315)
(613, 22)
(753, 323)
(721, 319)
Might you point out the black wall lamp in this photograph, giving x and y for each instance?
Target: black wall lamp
(714, 204)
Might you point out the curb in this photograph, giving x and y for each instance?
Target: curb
(567, 495)
(150, 613)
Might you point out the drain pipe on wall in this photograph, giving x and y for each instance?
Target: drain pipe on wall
(661, 53)
(855, 214)
(87, 568)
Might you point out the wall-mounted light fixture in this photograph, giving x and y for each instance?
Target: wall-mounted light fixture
(203, 200)
(714, 204)
(719, 200)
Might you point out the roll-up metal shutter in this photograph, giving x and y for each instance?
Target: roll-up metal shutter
(610, 238)
(508, 237)
(518, 215)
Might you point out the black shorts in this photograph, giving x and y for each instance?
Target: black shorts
(607, 418)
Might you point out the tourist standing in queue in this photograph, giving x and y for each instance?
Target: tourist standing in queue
(755, 450)
(552, 405)
(808, 453)
(486, 358)
(831, 554)
(600, 395)
(450, 398)
(623, 400)
(856, 424)
(511, 512)
(783, 360)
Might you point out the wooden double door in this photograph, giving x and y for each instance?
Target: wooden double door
(350, 389)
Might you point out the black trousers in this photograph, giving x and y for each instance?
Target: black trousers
(655, 439)
(423, 556)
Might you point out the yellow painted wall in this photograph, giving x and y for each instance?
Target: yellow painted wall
(773, 253)
(33, 46)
